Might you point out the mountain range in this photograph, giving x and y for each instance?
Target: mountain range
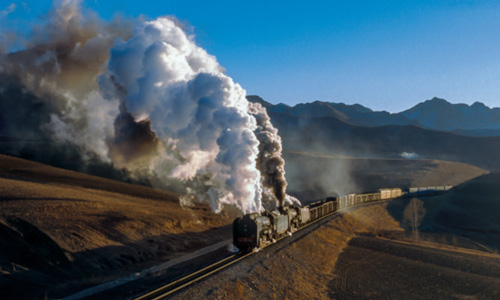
(435, 114)
(430, 130)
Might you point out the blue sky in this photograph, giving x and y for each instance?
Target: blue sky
(387, 55)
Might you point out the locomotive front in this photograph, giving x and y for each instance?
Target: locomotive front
(248, 231)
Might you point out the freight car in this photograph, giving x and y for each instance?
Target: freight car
(255, 231)
(426, 191)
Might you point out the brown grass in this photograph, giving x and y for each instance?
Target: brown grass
(358, 256)
(103, 227)
(303, 270)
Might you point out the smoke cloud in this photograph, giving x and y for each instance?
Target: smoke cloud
(6, 11)
(145, 98)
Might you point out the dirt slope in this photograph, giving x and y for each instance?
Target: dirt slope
(58, 226)
(364, 254)
(314, 176)
(471, 210)
(372, 268)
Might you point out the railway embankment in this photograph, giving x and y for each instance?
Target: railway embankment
(301, 269)
(364, 253)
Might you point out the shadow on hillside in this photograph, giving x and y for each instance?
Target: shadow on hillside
(373, 268)
(3, 198)
(29, 171)
(29, 257)
(444, 223)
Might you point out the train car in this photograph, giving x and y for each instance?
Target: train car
(341, 202)
(350, 199)
(427, 191)
(316, 210)
(385, 194)
(396, 193)
(328, 207)
(373, 197)
(304, 215)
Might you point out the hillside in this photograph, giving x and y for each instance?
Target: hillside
(59, 226)
(62, 230)
(362, 254)
(368, 253)
(313, 176)
(333, 136)
(471, 209)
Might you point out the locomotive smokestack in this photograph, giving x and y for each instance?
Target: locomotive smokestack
(269, 162)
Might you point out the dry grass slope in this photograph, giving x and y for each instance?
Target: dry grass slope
(100, 227)
(364, 254)
(314, 176)
(301, 271)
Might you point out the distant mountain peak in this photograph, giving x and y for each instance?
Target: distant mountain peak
(437, 99)
(439, 114)
(356, 107)
(479, 105)
(258, 99)
(355, 114)
(436, 114)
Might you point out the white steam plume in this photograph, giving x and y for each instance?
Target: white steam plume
(60, 65)
(154, 103)
(214, 134)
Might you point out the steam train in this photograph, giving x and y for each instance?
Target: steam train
(255, 231)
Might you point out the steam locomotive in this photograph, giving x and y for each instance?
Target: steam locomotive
(255, 231)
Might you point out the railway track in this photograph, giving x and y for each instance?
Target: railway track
(178, 284)
(192, 278)
(183, 282)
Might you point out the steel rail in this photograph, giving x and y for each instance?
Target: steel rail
(192, 278)
(167, 290)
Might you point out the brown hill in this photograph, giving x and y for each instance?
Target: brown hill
(313, 176)
(58, 225)
(471, 209)
(362, 254)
